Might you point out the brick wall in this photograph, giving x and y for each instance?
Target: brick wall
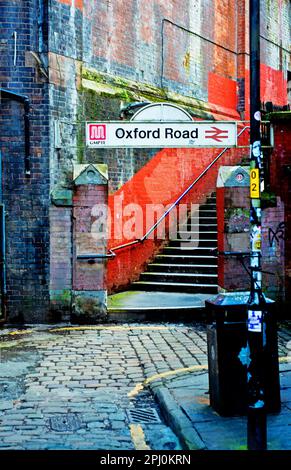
(26, 198)
(191, 48)
(233, 235)
(88, 278)
(188, 52)
(61, 251)
(279, 218)
(273, 251)
(90, 236)
(186, 48)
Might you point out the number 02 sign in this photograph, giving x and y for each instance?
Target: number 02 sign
(255, 184)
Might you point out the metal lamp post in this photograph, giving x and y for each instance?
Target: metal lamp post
(257, 434)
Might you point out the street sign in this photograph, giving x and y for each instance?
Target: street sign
(127, 134)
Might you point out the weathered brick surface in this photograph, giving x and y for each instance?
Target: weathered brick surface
(60, 261)
(233, 235)
(273, 250)
(197, 49)
(280, 185)
(88, 277)
(26, 198)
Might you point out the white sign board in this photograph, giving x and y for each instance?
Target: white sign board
(126, 134)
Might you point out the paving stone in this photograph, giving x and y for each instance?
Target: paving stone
(96, 425)
(6, 428)
(35, 421)
(6, 405)
(95, 384)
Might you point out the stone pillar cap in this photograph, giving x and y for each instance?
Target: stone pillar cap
(233, 176)
(90, 173)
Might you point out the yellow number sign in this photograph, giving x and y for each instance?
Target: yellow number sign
(255, 184)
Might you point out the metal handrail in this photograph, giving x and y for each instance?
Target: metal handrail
(112, 255)
(88, 256)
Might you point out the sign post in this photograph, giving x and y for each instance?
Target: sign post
(139, 134)
(256, 309)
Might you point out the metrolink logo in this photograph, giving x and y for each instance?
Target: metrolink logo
(97, 132)
(131, 221)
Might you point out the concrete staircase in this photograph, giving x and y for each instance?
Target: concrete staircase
(179, 280)
(188, 264)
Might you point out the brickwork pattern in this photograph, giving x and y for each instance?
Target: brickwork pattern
(88, 277)
(60, 262)
(26, 198)
(186, 47)
(280, 185)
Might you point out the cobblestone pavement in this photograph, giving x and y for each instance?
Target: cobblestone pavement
(73, 388)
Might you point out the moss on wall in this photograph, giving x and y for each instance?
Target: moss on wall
(106, 85)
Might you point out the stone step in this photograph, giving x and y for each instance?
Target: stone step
(202, 221)
(208, 211)
(195, 227)
(182, 268)
(196, 235)
(184, 250)
(140, 306)
(207, 206)
(211, 200)
(194, 242)
(183, 259)
(174, 287)
(158, 314)
(191, 278)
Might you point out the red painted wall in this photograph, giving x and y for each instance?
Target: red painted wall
(222, 91)
(224, 85)
(273, 87)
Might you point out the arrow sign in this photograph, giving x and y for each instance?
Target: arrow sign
(155, 134)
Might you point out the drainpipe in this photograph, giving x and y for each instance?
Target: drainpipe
(10, 95)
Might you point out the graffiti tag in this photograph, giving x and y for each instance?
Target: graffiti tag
(278, 234)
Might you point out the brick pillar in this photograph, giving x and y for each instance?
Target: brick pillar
(90, 237)
(277, 246)
(60, 255)
(233, 226)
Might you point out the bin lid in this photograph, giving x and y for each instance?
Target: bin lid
(232, 298)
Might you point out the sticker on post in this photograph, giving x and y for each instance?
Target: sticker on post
(255, 184)
(256, 236)
(255, 321)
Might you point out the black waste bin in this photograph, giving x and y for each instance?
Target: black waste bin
(228, 355)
